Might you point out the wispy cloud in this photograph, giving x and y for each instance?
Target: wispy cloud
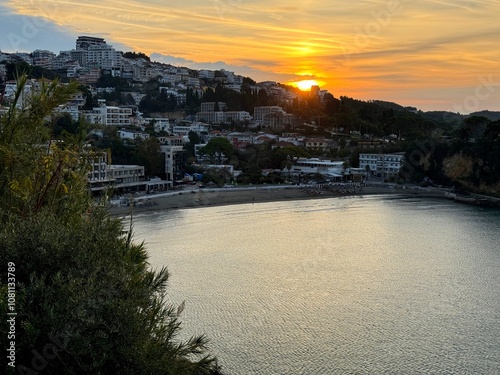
(365, 47)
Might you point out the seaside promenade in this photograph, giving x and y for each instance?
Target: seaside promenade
(193, 196)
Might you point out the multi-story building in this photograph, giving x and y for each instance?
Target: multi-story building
(98, 177)
(206, 74)
(328, 168)
(108, 115)
(385, 165)
(236, 116)
(43, 58)
(277, 120)
(84, 42)
(210, 106)
(103, 175)
(126, 175)
(197, 127)
(318, 144)
(260, 112)
(72, 107)
(174, 160)
(104, 56)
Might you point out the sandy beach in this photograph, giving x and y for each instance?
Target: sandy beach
(194, 198)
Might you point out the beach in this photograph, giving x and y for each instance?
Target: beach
(194, 198)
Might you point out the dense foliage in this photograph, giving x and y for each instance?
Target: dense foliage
(86, 300)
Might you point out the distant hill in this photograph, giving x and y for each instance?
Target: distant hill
(389, 105)
(490, 115)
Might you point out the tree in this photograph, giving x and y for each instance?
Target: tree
(219, 148)
(85, 299)
(149, 155)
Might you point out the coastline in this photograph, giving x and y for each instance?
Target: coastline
(195, 198)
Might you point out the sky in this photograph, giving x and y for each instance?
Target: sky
(430, 54)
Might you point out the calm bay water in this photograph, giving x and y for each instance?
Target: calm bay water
(362, 285)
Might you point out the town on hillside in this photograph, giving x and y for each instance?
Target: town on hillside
(154, 126)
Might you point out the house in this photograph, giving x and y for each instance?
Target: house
(132, 134)
(318, 144)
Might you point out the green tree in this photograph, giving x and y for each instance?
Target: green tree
(149, 155)
(219, 148)
(86, 300)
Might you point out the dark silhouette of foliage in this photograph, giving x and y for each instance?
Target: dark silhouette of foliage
(87, 301)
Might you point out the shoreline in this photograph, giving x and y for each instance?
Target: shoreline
(222, 197)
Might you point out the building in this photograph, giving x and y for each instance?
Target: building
(84, 42)
(126, 175)
(103, 175)
(260, 112)
(277, 120)
(328, 168)
(98, 176)
(210, 106)
(210, 117)
(132, 134)
(236, 116)
(108, 115)
(160, 124)
(197, 127)
(43, 58)
(103, 56)
(384, 165)
(174, 160)
(72, 107)
(318, 144)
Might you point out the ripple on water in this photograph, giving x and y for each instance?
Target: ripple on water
(362, 285)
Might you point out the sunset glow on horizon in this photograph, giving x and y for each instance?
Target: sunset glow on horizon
(430, 54)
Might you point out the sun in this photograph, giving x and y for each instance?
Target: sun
(306, 84)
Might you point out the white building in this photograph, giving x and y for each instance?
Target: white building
(159, 123)
(315, 165)
(382, 164)
(132, 134)
(72, 107)
(108, 115)
(126, 175)
(236, 116)
(103, 175)
(103, 56)
(197, 127)
(206, 74)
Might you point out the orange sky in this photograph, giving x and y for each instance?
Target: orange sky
(430, 54)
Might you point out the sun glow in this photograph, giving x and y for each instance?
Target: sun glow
(306, 84)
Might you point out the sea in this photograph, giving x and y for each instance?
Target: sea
(381, 284)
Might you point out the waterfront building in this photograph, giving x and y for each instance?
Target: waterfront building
(174, 162)
(328, 168)
(384, 165)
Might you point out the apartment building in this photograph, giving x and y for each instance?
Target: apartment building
(174, 161)
(43, 58)
(108, 115)
(210, 106)
(385, 165)
(260, 112)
